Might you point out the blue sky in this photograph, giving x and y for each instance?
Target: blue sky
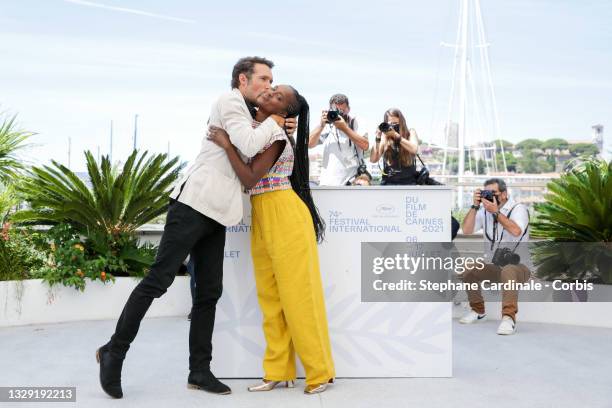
(70, 66)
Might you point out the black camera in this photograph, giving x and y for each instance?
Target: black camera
(363, 169)
(333, 115)
(385, 127)
(505, 256)
(488, 195)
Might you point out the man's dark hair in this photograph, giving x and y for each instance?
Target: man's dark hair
(500, 183)
(338, 99)
(246, 66)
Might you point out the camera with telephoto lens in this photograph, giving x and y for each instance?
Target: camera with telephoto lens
(505, 256)
(333, 115)
(385, 127)
(488, 195)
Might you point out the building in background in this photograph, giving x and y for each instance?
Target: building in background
(602, 142)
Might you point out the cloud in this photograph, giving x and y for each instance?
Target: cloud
(130, 11)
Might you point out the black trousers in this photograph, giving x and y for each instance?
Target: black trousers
(186, 232)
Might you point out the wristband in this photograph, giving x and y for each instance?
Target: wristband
(476, 207)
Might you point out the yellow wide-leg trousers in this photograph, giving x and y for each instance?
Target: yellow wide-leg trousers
(289, 288)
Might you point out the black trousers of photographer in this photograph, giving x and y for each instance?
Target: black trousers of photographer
(517, 273)
(186, 232)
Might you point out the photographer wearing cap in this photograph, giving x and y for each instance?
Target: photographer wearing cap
(398, 145)
(343, 147)
(505, 224)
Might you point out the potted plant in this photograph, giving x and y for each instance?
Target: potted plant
(94, 221)
(575, 222)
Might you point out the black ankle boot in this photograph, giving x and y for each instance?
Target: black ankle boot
(205, 380)
(110, 372)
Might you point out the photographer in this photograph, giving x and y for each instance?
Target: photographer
(362, 180)
(398, 146)
(503, 221)
(342, 146)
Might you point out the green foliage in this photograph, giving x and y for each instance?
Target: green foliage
(93, 234)
(555, 143)
(506, 144)
(584, 149)
(452, 163)
(546, 164)
(529, 162)
(121, 253)
(68, 263)
(460, 214)
(578, 208)
(573, 261)
(19, 256)
(551, 160)
(511, 161)
(529, 144)
(8, 200)
(12, 140)
(578, 205)
(480, 166)
(118, 201)
(74, 259)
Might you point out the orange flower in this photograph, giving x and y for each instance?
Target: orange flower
(5, 231)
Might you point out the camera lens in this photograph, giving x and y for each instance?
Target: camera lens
(487, 195)
(332, 115)
(384, 127)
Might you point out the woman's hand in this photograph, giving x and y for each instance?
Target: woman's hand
(219, 136)
(290, 126)
(392, 134)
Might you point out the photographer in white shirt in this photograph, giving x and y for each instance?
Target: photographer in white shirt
(343, 147)
(504, 222)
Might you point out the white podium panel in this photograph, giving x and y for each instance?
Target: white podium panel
(368, 339)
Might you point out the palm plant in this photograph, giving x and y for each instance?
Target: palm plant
(8, 200)
(11, 142)
(116, 201)
(578, 205)
(576, 223)
(105, 211)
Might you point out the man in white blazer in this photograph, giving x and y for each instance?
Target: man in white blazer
(206, 200)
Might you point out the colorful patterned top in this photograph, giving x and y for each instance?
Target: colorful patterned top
(277, 177)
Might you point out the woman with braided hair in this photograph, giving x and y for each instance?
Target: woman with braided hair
(286, 226)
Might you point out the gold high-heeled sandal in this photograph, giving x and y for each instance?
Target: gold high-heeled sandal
(317, 388)
(270, 385)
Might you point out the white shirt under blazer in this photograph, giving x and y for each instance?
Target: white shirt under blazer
(210, 185)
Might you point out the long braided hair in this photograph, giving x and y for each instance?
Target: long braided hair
(300, 176)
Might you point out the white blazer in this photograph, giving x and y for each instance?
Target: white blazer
(210, 185)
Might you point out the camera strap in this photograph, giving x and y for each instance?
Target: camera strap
(492, 241)
(333, 128)
(524, 232)
(421, 160)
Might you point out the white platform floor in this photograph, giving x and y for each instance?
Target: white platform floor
(543, 365)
